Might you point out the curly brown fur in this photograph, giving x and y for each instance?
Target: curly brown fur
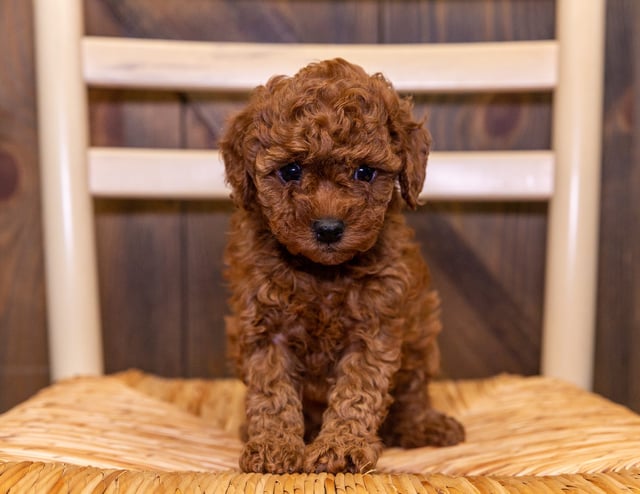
(334, 326)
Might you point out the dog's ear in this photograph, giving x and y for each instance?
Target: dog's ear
(413, 142)
(238, 153)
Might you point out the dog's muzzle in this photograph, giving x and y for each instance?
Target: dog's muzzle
(329, 230)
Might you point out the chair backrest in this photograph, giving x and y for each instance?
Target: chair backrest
(571, 67)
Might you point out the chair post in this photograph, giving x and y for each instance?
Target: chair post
(572, 248)
(75, 343)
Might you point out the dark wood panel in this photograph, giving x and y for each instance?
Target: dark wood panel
(205, 289)
(454, 21)
(491, 304)
(23, 347)
(141, 280)
(634, 320)
(346, 21)
(618, 342)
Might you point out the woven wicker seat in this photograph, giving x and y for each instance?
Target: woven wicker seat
(139, 433)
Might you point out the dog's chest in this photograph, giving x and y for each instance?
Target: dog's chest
(322, 328)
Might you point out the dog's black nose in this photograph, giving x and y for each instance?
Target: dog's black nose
(328, 231)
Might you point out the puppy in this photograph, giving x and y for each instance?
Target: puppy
(334, 325)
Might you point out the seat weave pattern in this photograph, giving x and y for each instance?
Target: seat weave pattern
(135, 433)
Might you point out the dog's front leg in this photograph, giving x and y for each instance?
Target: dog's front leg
(275, 423)
(357, 405)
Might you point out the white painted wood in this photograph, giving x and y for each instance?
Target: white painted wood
(146, 173)
(490, 175)
(517, 66)
(75, 342)
(572, 250)
(505, 175)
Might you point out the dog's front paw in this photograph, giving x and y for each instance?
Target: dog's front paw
(273, 456)
(345, 454)
(436, 429)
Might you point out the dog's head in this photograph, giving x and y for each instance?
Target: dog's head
(322, 154)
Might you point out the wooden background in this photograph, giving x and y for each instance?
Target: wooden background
(163, 297)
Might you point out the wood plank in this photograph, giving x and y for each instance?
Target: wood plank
(205, 288)
(23, 347)
(489, 175)
(141, 282)
(618, 311)
(634, 243)
(481, 315)
(518, 66)
(286, 21)
(467, 21)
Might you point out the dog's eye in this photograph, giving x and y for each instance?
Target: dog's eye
(365, 173)
(290, 172)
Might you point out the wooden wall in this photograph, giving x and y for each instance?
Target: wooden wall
(160, 261)
(23, 351)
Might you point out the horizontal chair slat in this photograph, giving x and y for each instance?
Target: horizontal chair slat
(194, 174)
(490, 175)
(188, 65)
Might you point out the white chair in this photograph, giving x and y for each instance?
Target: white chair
(567, 175)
